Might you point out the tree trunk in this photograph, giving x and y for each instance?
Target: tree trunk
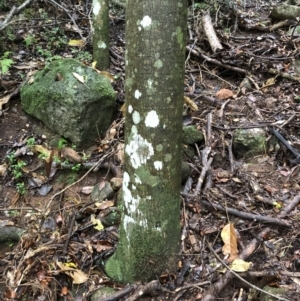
(150, 226)
(101, 34)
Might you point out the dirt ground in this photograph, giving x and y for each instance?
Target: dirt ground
(259, 195)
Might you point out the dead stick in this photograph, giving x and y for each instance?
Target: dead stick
(245, 215)
(294, 202)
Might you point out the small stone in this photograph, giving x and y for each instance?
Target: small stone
(116, 183)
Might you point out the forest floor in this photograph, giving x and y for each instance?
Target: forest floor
(258, 195)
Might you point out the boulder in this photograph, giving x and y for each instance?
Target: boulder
(72, 99)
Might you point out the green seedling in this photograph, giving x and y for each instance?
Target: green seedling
(30, 142)
(17, 169)
(56, 159)
(5, 62)
(21, 188)
(76, 167)
(43, 156)
(61, 143)
(30, 40)
(11, 158)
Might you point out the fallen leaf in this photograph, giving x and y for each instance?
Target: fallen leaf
(190, 103)
(230, 242)
(239, 265)
(96, 222)
(70, 154)
(3, 169)
(77, 275)
(224, 94)
(79, 77)
(79, 43)
(104, 205)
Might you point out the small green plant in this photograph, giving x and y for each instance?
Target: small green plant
(56, 159)
(30, 40)
(17, 169)
(30, 142)
(5, 62)
(21, 188)
(61, 143)
(81, 55)
(76, 167)
(85, 156)
(43, 156)
(11, 158)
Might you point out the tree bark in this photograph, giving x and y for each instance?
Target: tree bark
(101, 34)
(150, 226)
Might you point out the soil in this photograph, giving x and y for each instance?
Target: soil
(263, 185)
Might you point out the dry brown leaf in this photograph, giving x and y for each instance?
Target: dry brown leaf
(3, 169)
(230, 242)
(104, 205)
(70, 154)
(77, 275)
(224, 94)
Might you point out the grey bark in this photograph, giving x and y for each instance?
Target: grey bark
(150, 225)
(101, 34)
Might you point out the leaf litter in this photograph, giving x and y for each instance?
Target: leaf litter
(251, 82)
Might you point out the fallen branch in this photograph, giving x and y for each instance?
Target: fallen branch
(291, 206)
(210, 33)
(196, 51)
(245, 215)
(14, 11)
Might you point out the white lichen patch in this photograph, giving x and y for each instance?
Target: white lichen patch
(139, 151)
(127, 223)
(96, 7)
(130, 202)
(158, 64)
(146, 21)
(143, 223)
(136, 117)
(137, 94)
(150, 82)
(101, 45)
(158, 165)
(168, 158)
(134, 129)
(159, 147)
(130, 109)
(152, 119)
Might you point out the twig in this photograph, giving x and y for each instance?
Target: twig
(293, 203)
(45, 212)
(66, 11)
(245, 215)
(119, 294)
(284, 75)
(213, 61)
(14, 10)
(217, 287)
(70, 231)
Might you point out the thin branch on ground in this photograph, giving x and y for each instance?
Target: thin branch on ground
(71, 18)
(245, 215)
(14, 11)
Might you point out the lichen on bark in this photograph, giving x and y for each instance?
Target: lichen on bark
(150, 225)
